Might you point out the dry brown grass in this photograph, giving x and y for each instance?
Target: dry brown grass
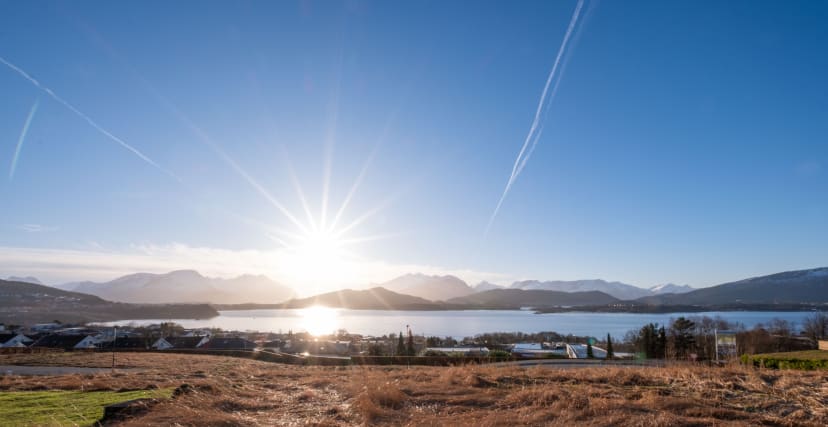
(227, 391)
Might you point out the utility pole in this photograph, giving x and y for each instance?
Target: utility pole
(114, 337)
(716, 338)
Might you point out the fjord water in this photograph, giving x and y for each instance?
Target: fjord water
(458, 324)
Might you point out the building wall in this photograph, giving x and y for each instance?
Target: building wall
(823, 344)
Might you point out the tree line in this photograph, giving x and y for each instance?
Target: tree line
(695, 337)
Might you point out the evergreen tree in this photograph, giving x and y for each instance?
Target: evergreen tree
(661, 344)
(400, 346)
(610, 353)
(409, 348)
(681, 335)
(589, 351)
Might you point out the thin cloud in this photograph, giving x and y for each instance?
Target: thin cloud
(22, 138)
(37, 228)
(82, 115)
(536, 129)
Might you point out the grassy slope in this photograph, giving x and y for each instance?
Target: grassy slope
(63, 407)
(246, 392)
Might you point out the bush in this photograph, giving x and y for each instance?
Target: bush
(806, 360)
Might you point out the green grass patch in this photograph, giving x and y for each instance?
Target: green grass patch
(64, 407)
(805, 360)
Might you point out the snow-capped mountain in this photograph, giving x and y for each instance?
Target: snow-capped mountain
(671, 288)
(619, 290)
(797, 287)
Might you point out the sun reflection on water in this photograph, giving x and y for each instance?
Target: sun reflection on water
(318, 320)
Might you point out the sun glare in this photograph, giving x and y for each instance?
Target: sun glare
(318, 261)
(319, 320)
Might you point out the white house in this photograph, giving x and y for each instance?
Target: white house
(66, 342)
(87, 342)
(538, 350)
(465, 351)
(179, 342)
(14, 340)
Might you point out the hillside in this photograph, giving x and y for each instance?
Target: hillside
(22, 302)
(791, 287)
(224, 391)
(517, 298)
(185, 286)
(368, 299)
(434, 288)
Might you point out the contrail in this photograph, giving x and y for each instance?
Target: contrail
(80, 114)
(537, 128)
(22, 137)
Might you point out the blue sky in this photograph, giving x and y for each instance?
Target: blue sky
(686, 142)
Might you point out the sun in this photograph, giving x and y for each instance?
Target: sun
(313, 255)
(318, 260)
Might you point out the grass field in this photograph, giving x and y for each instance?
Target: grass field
(225, 391)
(63, 407)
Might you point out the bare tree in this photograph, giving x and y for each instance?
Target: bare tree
(816, 326)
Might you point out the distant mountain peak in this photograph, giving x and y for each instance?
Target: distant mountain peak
(27, 279)
(790, 287)
(433, 288)
(184, 272)
(671, 288)
(618, 290)
(486, 286)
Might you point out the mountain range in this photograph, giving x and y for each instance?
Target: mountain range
(25, 302)
(419, 291)
(189, 286)
(366, 299)
(434, 288)
(534, 298)
(185, 286)
(790, 287)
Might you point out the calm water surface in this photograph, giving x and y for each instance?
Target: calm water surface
(455, 323)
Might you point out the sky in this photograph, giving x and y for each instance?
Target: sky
(331, 144)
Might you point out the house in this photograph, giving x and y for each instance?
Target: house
(184, 343)
(229, 343)
(126, 343)
(14, 340)
(465, 351)
(579, 351)
(66, 342)
(46, 327)
(273, 345)
(536, 350)
(80, 330)
(823, 344)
